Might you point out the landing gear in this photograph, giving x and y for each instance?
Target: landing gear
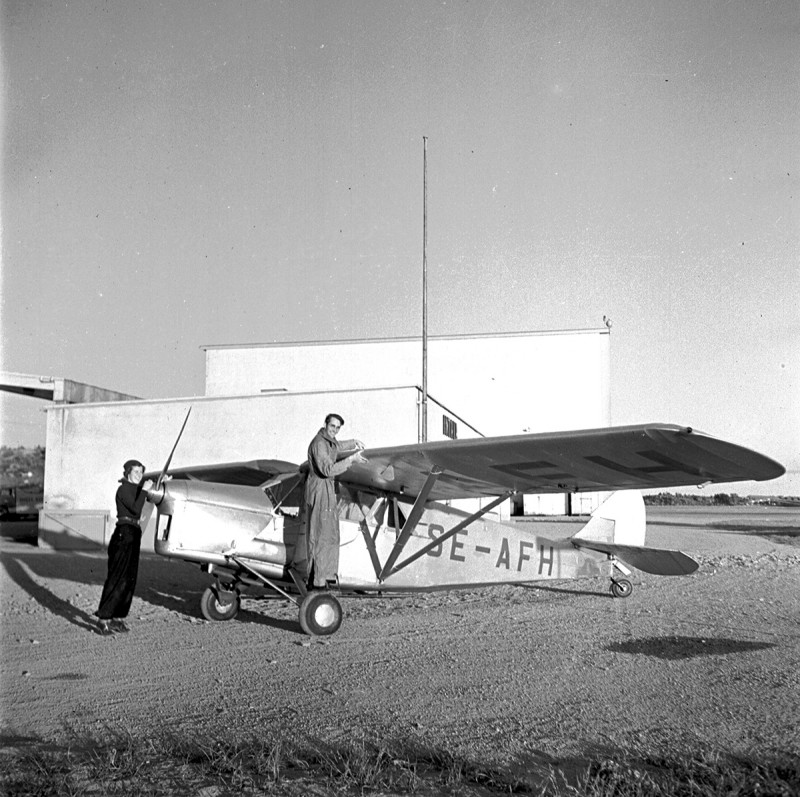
(621, 588)
(320, 614)
(219, 604)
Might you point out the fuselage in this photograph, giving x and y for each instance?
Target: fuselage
(210, 523)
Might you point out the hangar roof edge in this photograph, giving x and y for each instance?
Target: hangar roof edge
(233, 397)
(408, 338)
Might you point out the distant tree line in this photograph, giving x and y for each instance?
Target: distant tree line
(21, 466)
(718, 499)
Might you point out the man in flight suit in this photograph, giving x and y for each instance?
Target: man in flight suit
(322, 522)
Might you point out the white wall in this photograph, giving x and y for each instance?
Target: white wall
(499, 384)
(502, 384)
(87, 443)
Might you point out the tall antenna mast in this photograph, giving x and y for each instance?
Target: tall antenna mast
(424, 289)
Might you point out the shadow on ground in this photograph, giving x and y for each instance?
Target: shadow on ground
(174, 586)
(567, 589)
(168, 585)
(673, 648)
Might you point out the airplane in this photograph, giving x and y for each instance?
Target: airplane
(242, 522)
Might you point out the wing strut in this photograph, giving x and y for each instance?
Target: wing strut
(373, 551)
(411, 521)
(446, 536)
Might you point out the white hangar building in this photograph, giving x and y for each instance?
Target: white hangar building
(267, 401)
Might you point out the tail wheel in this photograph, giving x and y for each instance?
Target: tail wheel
(621, 588)
(218, 605)
(320, 614)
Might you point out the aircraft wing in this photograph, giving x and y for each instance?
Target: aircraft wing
(252, 473)
(614, 458)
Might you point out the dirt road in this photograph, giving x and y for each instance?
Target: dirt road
(501, 674)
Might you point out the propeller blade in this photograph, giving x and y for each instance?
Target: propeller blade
(169, 458)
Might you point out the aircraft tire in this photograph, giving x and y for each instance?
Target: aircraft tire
(214, 609)
(320, 614)
(621, 588)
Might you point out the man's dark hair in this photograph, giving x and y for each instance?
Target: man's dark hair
(333, 415)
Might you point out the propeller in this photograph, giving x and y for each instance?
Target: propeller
(169, 458)
(155, 495)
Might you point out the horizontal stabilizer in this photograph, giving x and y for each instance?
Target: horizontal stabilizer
(650, 560)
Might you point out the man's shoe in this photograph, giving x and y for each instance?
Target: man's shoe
(119, 626)
(103, 628)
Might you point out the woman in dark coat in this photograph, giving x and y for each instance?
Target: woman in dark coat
(123, 550)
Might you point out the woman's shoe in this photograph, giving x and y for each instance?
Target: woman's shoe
(103, 628)
(120, 626)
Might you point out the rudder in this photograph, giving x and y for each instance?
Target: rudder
(619, 520)
(617, 528)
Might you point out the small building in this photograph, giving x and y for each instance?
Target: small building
(57, 389)
(266, 401)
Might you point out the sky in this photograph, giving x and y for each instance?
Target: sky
(187, 173)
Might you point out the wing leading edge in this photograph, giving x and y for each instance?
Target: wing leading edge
(615, 458)
(251, 473)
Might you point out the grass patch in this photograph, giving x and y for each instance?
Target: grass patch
(171, 763)
(705, 774)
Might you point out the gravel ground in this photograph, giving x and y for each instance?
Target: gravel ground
(503, 675)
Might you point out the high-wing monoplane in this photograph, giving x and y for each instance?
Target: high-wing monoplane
(243, 521)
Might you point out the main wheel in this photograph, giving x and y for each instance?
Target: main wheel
(320, 614)
(215, 609)
(621, 588)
